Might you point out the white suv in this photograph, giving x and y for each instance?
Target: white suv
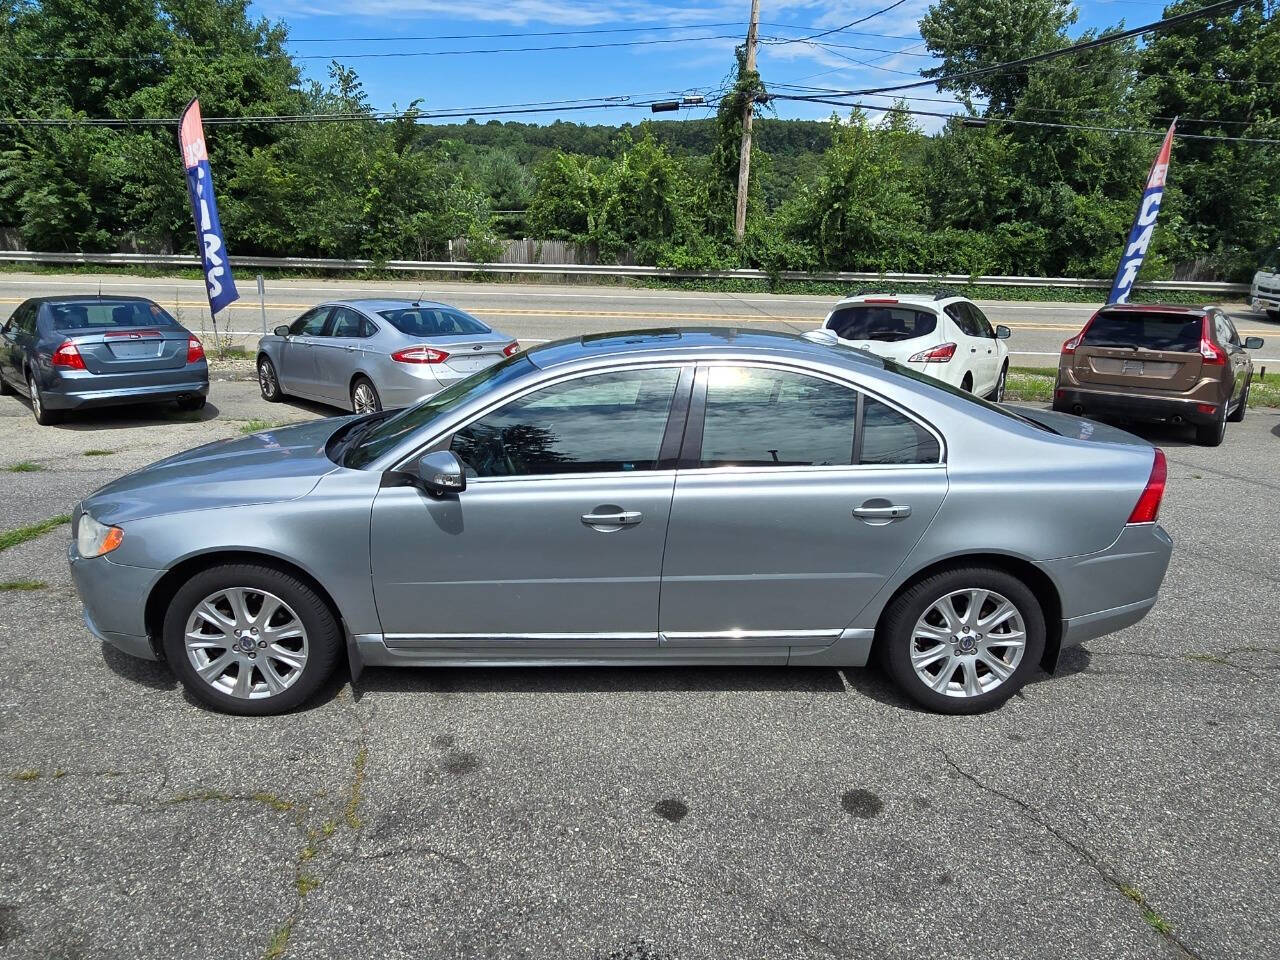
(944, 336)
(1264, 296)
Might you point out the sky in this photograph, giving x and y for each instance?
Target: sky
(694, 56)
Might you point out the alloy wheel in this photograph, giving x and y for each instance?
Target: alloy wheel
(267, 379)
(364, 399)
(968, 642)
(246, 643)
(34, 389)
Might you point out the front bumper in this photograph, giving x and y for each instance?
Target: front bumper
(114, 596)
(74, 394)
(1130, 406)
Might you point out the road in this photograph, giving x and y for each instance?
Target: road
(1128, 807)
(536, 312)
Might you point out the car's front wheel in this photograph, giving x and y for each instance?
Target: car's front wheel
(250, 639)
(964, 640)
(268, 381)
(997, 395)
(44, 416)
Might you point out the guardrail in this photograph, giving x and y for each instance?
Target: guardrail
(603, 270)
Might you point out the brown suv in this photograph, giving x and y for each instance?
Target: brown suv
(1158, 362)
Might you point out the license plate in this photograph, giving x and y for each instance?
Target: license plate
(470, 364)
(1134, 366)
(132, 351)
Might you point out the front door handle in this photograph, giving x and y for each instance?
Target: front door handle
(350, 349)
(625, 518)
(894, 512)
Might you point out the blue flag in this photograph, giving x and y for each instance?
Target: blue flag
(1144, 224)
(213, 249)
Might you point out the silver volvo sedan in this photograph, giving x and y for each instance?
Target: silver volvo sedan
(364, 355)
(691, 497)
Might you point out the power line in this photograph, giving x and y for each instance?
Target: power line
(852, 23)
(520, 33)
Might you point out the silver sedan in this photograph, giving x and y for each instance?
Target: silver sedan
(364, 355)
(691, 497)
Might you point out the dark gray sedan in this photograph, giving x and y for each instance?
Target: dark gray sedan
(691, 497)
(73, 353)
(364, 355)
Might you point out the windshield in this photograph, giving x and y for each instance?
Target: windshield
(432, 322)
(882, 323)
(98, 314)
(390, 432)
(1179, 332)
(894, 367)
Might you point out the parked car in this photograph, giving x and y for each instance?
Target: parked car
(944, 336)
(1264, 292)
(364, 355)
(677, 497)
(73, 353)
(1158, 362)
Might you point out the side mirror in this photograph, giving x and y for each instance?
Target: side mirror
(282, 330)
(1003, 332)
(1253, 343)
(441, 472)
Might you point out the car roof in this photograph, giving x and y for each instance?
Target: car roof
(1156, 308)
(88, 297)
(691, 343)
(932, 302)
(374, 304)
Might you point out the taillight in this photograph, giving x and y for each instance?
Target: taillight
(195, 350)
(1070, 346)
(939, 354)
(1148, 506)
(1211, 353)
(880, 300)
(511, 349)
(420, 355)
(68, 357)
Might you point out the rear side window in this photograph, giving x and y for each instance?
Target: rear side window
(1144, 330)
(886, 324)
(433, 322)
(892, 437)
(100, 314)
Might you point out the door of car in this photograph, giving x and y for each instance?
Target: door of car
(1237, 355)
(337, 354)
(554, 549)
(297, 354)
(16, 337)
(990, 350)
(797, 497)
(978, 349)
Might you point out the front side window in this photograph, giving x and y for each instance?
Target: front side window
(964, 319)
(606, 422)
(981, 321)
(882, 323)
(105, 314)
(310, 324)
(757, 417)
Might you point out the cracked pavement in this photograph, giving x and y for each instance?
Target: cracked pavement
(1126, 807)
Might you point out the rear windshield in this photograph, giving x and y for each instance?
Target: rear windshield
(887, 324)
(432, 322)
(1140, 329)
(109, 313)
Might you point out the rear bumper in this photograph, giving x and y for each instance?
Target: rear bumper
(1130, 406)
(79, 395)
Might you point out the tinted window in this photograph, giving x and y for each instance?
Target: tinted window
(346, 323)
(311, 323)
(965, 320)
(603, 423)
(886, 324)
(980, 320)
(892, 437)
(904, 371)
(1226, 332)
(1178, 332)
(367, 327)
(768, 418)
(432, 322)
(94, 314)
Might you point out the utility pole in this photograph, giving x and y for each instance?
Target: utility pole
(744, 157)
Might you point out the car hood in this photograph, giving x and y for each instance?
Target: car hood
(274, 465)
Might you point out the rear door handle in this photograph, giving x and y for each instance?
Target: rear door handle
(350, 349)
(627, 518)
(896, 512)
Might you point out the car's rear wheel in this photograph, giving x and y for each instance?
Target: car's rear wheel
(1238, 413)
(964, 640)
(1211, 434)
(268, 382)
(364, 396)
(192, 403)
(967, 383)
(44, 416)
(250, 639)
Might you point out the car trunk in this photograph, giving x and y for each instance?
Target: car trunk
(469, 353)
(132, 350)
(1139, 348)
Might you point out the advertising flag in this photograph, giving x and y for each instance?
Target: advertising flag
(213, 250)
(1144, 224)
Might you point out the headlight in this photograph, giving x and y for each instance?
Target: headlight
(93, 539)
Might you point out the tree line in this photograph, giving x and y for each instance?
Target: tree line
(1033, 179)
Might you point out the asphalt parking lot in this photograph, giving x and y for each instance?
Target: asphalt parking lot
(1127, 807)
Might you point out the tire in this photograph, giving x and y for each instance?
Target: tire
(269, 381)
(997, 395)
(1238, 413)
(5, 389)
(191, 404)
(308, 647)
(364, 396)
(44, 416)
(913, 611)
(1211, 434)
(967, 383)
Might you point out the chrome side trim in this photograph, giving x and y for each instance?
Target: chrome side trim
(408, 640)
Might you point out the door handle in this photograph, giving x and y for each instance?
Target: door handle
(896, 512)
(350, 349)
(627, 518)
